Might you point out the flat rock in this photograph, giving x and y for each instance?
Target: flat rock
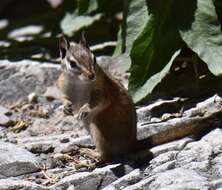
(18, 79)
(179, 178)
(4, 120)
(125, 181)
(97, 179)
(52, 92)
(56, 124)
(6, 184)
(16, 161)
(4, 111)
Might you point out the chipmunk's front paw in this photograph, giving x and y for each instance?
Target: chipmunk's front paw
(67, 108)
(84, 112)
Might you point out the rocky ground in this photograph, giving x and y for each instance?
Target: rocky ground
(39, 144)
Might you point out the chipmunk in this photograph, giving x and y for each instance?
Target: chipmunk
(103, 104)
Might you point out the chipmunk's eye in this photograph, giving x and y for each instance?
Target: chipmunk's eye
(73, 64)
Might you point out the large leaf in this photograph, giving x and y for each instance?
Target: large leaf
(150, 84)
(73, 23)
(204, 35)
(136, 21)
(153, 48)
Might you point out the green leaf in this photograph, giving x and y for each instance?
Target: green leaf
(150, 84)
(204, 35)
(93, 5)
(136, 21)
(153, 48)
(73, 23)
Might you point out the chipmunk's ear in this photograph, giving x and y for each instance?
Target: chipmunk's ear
(63, 46)
(83, 40)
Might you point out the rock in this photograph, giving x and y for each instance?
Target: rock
(38, 148)
(71, 146)
(71, 187)
(175, 179)
(41, 126)
(56, 124)
(97, 179)
(5, 111)
(5, 121)
(64, 140)
(32, 97)
(52, 92)
(17, 79)
(6, 184)
(12, 140)
(179, 179)
(215, 139)
(171, 146)
(126, 180)
(16, 161)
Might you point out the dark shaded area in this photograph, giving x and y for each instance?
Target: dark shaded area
(26, 13)
(218, 7)
(188, 78)
(183, 13)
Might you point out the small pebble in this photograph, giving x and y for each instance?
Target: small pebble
(52, 93)
(13, 140)
(5, 111)
(155, 120)
(69, 149)
(32, 97)
(5, 121)
(71, 187)
(64, 140)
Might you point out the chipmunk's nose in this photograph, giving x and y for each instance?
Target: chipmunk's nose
(91, 76)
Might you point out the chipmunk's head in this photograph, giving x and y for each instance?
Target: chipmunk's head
(77, 59)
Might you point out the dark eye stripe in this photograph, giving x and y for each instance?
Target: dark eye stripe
(73, 64)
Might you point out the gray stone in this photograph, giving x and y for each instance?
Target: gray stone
(38, 148)
(4, 120)
(171, 146)
(15, 184)
(5, 111)
(71, 187)
(70, 146)
(41, 126)
(176, 179)
(18, 79)
(125, 181)
(16, 161)
(56, 124)
(179, 179)
(97, 179)
(52, 92)
(215, 139)
(32, 97)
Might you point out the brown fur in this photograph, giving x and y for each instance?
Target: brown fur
(115, 131)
